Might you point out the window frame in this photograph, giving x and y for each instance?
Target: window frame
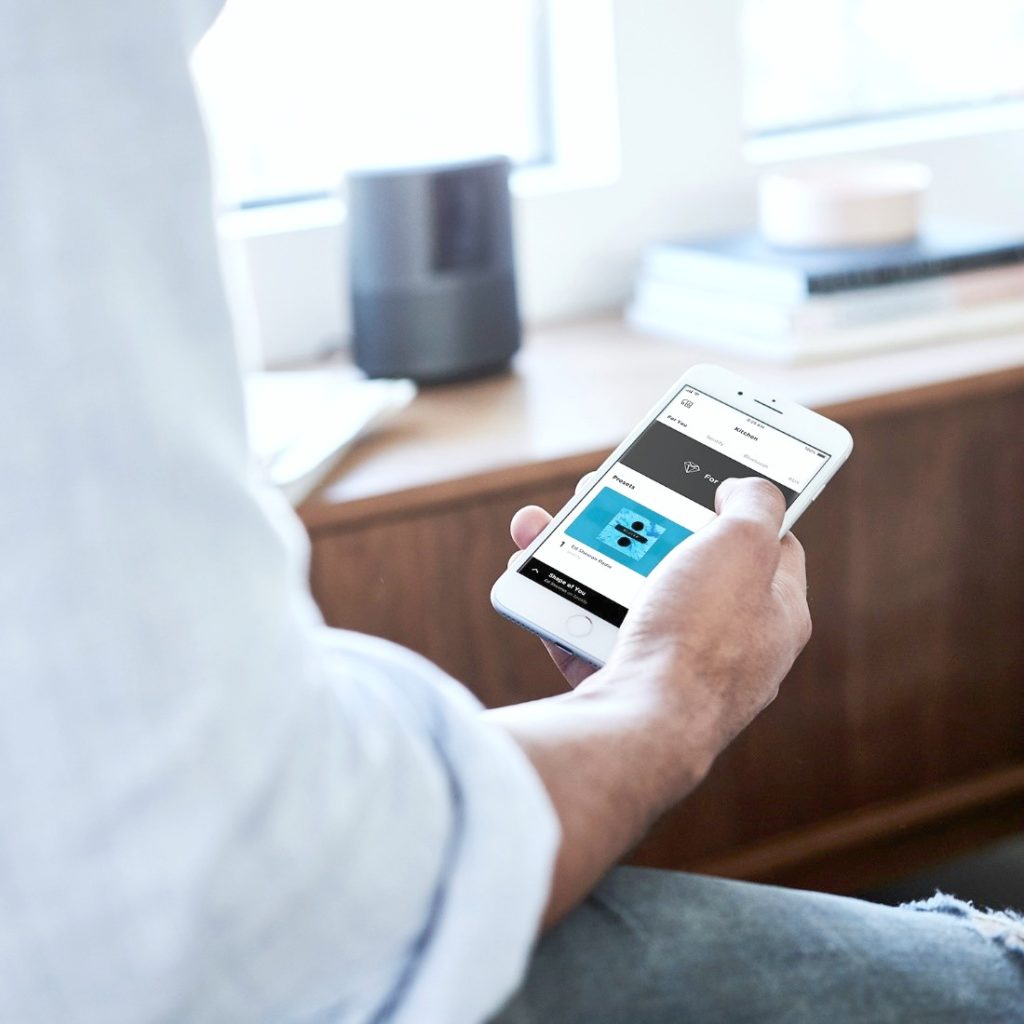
(881, 133)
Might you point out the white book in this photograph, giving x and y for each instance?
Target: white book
(828, 312)
(995, 318)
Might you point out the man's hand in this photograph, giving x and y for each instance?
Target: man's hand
(723, 617)
(717, 628)
(660, 607)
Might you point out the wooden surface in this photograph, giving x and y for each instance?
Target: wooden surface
(577, 390)
(898, 737)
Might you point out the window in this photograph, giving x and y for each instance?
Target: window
(296, 91)
(821, 63)
(645, 111)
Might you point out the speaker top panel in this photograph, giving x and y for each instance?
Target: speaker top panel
(408, 225)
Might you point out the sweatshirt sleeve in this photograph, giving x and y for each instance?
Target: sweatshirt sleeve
(215, 808)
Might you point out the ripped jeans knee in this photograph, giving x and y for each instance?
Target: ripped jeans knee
(1003, 927)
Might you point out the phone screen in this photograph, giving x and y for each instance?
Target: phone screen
(661, 491)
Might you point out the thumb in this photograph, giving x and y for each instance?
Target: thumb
(753, 500)
(745, 536)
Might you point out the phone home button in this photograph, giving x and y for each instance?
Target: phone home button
(580, 625)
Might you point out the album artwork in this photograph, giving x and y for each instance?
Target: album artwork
(631, 534)
(622, 530)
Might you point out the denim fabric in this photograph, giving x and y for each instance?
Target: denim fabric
(655, 947)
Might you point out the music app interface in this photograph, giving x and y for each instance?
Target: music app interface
(659, 493)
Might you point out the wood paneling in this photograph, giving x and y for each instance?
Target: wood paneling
(424, 581)
(865, 848)
(911, 688)
(914, 678)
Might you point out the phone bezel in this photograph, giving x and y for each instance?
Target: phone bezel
(542, 611)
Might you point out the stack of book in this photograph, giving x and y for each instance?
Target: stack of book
(740, 294)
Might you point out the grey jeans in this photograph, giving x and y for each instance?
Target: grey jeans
(656, 947)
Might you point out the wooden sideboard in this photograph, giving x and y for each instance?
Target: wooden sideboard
(898, 738)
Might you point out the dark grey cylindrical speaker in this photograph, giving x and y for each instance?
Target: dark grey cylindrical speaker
(432, 271)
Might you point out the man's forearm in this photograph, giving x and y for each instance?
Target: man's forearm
(612, 761)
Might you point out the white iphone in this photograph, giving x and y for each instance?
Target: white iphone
(576, 582)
